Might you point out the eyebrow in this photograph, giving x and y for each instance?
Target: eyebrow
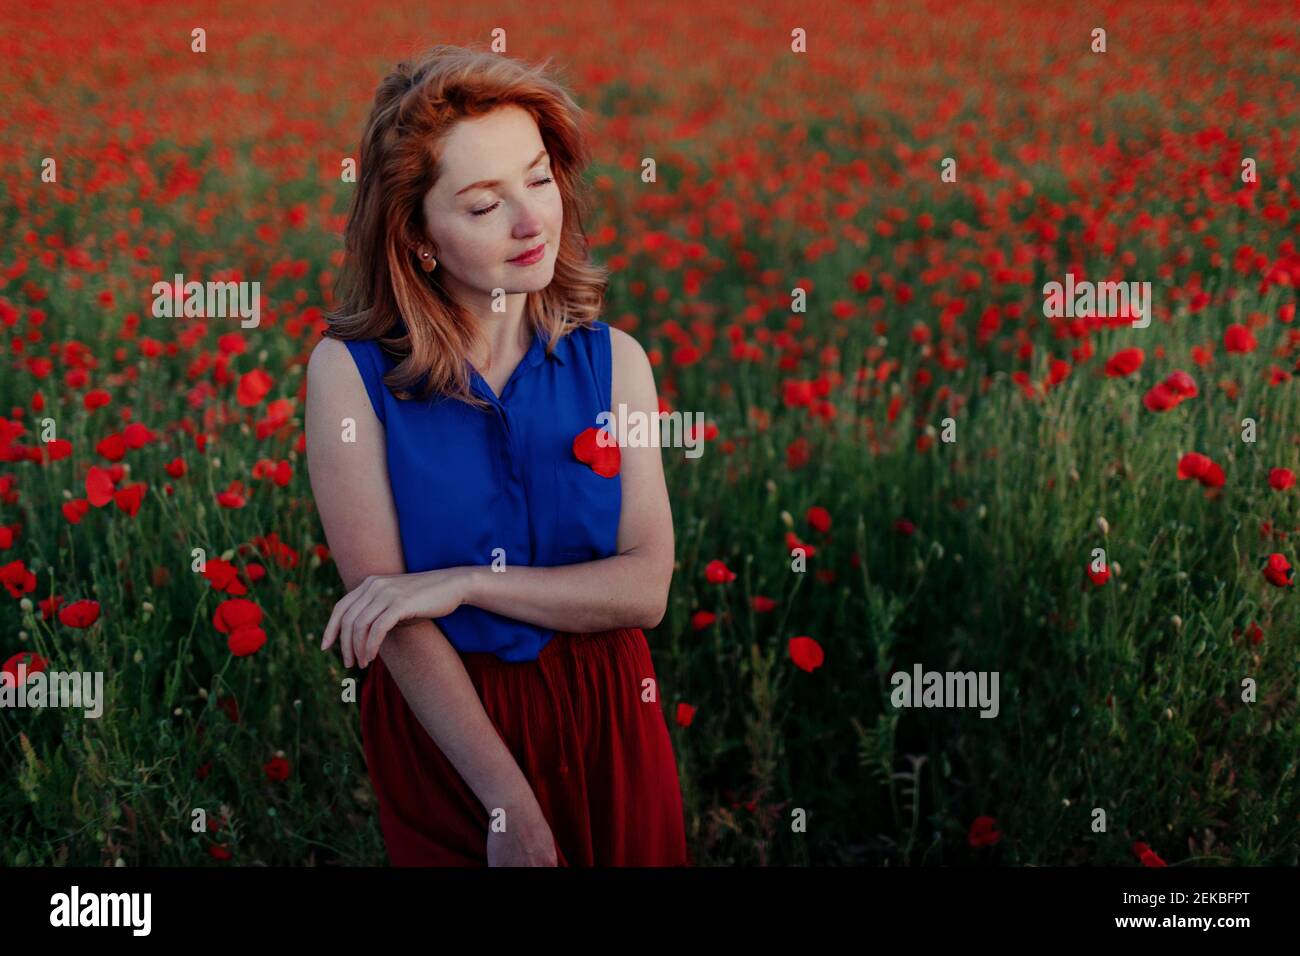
(489, 183)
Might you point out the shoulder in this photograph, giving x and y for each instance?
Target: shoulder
(632, 378)
(627, 353)
(340, 371)
(331, 362)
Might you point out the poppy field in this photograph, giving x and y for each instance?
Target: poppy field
(913, 462)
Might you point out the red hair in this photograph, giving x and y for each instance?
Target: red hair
(384, 294)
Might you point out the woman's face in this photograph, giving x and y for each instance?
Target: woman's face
(495, 199)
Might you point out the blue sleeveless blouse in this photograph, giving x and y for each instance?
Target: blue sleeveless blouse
(473, 486)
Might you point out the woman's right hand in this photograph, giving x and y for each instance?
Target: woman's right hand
(526, 840)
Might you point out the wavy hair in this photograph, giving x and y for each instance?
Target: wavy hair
(382, 293)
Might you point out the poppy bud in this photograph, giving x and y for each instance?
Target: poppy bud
(1103, 526)
(26, 604)
(1177, 622)
(787, 519)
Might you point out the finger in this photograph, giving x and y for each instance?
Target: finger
(352, 628)
(367, 627)
(332, 628)
(378, 631)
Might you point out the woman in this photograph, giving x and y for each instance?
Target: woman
(500, 560)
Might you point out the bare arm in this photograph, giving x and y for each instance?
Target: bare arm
(629, 589)
(349, 481)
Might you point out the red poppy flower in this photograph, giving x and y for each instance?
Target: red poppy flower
(819, 518)
(253, 387)
(30, 660)
(235, 613)
(1147, 855)
(984, 832)
(806, 653)
(1281, 479)
(1099, 577)
(760, 604)
(246, 640)
(1124, 362)
(1238, 338)
(99, 486)
(702, 619)
(277, 768)
(81, 613)
(604, 460)
(113, 447)
(685, 714)
(224, 576)
(128, 499)
(1278, 571)
(17, 579)
(75, 510)
(715, 572)
(49, 606)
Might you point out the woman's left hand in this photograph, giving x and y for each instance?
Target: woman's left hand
(365, 615)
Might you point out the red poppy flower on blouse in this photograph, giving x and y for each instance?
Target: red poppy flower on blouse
(1281, 479)
(604, 460)
(79, 613)
(685, 714)
(715, 572)
(220, 851)
(806, 653)
(984, 832)
(1278, 571)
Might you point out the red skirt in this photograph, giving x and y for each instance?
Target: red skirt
(599, 759)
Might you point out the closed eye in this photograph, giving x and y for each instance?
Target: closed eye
(484, 212)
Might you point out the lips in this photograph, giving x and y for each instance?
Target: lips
(532, 253)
